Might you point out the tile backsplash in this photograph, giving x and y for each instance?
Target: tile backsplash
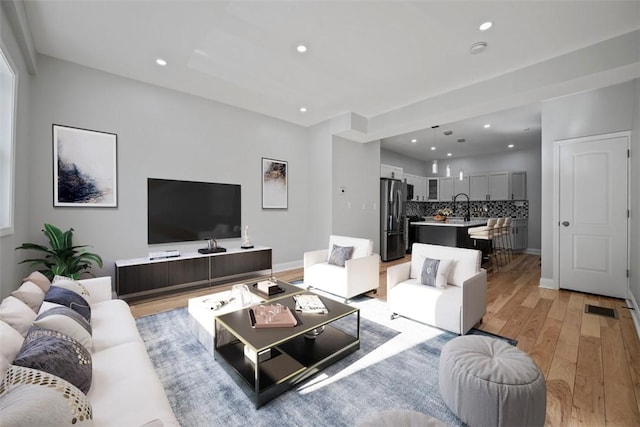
(501, 208)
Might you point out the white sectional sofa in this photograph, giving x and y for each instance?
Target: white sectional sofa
(360, 273)
(125, 389)
(457, 307)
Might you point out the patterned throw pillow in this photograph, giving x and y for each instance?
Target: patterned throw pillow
(10, 345)
(29, 397)
(69, 299)
(72, 285)
(68, 322)
(340, 254)
(57, 354)
(435, 272)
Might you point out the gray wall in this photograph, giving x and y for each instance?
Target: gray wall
(10, 272)
(356, 168)
(163, 134)
(409, 164)
(595, 112)
(520, 160)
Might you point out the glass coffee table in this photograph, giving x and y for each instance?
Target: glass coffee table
(265, 362)
(202, 310)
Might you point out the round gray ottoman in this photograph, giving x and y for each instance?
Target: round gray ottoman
(487, 382)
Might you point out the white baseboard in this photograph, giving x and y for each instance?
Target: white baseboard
(631, 302)
(533, 251)
(547, 284)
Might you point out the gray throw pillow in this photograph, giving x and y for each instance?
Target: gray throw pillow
(435, 272)
(58, 354)
(69, 299)
(340, 254)
(68, 322)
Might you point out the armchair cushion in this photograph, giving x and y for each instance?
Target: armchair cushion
(340, 254)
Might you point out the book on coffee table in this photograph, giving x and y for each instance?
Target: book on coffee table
(310, 304)
(271, 316)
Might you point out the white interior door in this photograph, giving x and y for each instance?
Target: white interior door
(593, 215)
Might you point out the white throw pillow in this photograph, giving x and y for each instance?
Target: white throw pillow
(72, 285)
(30, 294)
(17, 314)
(39, 279)
(435, 272)
(11, 341)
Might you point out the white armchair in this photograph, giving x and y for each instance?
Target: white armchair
(457, 307)
(360, 274)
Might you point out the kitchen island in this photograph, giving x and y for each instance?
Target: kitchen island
(452, 232)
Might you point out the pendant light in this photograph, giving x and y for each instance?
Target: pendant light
(448, 171)
(434, 167)
(461, 175)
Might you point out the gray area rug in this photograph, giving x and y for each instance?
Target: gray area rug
(201, 393)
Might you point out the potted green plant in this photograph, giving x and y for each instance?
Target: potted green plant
(62, 258)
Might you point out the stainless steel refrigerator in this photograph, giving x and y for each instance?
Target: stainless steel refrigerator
(393, 200)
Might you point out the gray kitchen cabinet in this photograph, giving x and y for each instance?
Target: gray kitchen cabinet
(519, 234)
(498, 186)
(518, 185)
(461, 186)
(446, 189)
(479, 187)
(433, 189)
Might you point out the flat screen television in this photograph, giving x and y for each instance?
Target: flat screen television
(184, 211)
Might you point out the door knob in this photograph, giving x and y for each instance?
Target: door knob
(565, 223)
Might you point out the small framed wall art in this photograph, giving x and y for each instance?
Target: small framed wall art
(85, 169)
(275, 184)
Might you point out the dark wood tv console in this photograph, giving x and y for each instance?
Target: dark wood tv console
(143, 277)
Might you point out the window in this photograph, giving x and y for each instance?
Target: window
(7, 141)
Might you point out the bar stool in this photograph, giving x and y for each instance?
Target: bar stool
(498, 239)
(485, 233)
(506, 235)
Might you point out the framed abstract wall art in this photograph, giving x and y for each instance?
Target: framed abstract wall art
(275, 183)
(85, 170)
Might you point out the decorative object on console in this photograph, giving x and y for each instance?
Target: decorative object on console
(246, 240)
(84, 168)
(212, 247)
(275, 183)
(62, 257)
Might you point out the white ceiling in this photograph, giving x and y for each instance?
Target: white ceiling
(367, 57)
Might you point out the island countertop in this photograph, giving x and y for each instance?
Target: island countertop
(475, 222)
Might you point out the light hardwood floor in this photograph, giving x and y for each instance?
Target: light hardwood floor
(591, 363)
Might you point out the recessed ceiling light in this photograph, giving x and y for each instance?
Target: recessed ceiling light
(433, 148)
(477, 47)
(414, 140)
(448, 154)
(510, 145)
(461, 140)
(161, 62)
(303, 109)
(487, 126)
(485, 26)
(448, 132)
(301, 48)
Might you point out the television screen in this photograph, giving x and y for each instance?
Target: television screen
(183, 211)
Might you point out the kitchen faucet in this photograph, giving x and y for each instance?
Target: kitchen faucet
(467, 217)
